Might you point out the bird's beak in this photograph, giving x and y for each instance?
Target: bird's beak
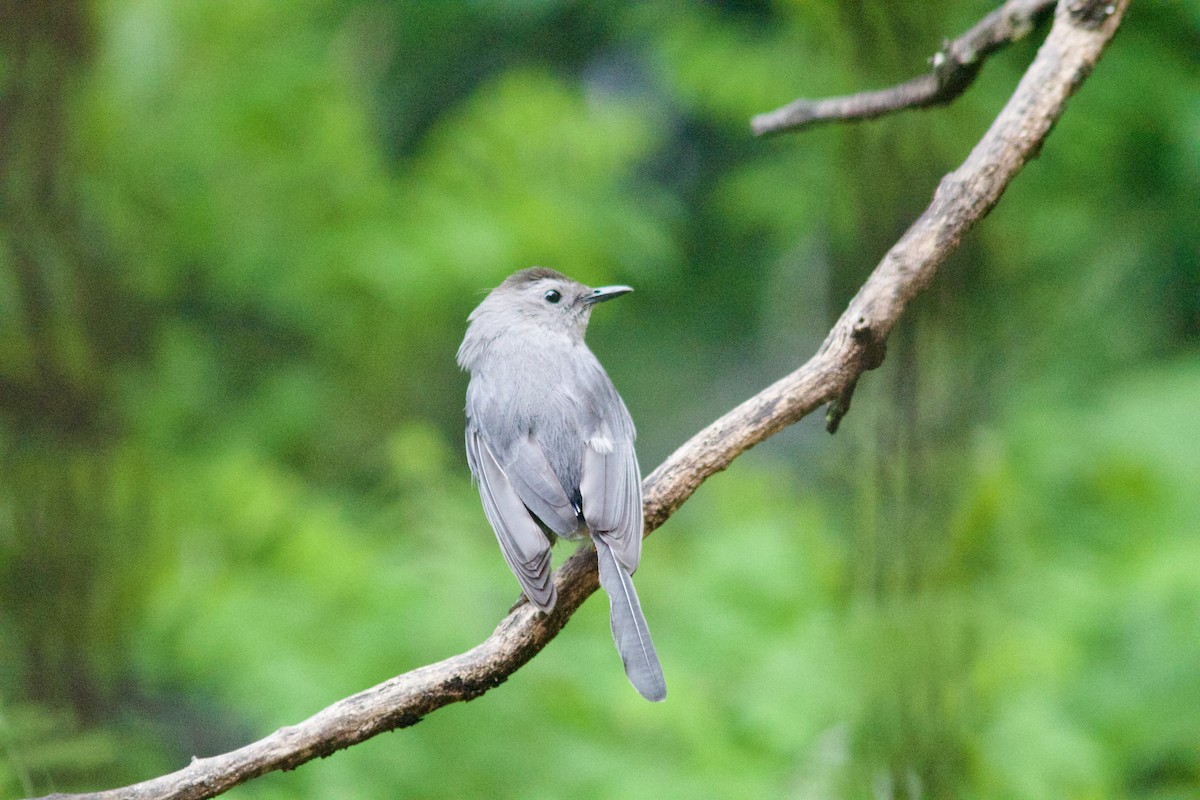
(604, 293)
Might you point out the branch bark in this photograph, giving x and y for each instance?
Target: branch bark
(954, 68)
(1081, 31)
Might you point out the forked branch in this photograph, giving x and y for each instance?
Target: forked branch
(952, 69)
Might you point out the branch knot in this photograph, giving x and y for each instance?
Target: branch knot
(1091, 14)
(872, 347)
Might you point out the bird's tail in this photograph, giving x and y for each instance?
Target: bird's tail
(629, 626)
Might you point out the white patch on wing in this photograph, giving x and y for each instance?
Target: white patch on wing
(601, 444)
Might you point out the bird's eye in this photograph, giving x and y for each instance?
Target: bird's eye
(552, 296)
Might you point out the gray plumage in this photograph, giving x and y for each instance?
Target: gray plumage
(550, 444)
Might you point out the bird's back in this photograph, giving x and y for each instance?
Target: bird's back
(561, 405)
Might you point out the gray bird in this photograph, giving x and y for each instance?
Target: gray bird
(550, 444)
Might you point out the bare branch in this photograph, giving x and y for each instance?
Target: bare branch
(954, 68)
(1081, 31)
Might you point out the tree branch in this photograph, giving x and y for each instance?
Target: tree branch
(954, 68)
(1076, 41)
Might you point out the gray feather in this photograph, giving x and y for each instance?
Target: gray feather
(611, 488)
(524, 546)
(540, 489)
(629, 626)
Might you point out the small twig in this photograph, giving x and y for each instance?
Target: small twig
(873, 349)
(963, 198)
(954, 68)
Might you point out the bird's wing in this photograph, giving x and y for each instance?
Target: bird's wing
(539, 488)
(611, 488)
(525, 547)
(611, 492)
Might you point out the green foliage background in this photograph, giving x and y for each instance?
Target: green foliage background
(238, 243)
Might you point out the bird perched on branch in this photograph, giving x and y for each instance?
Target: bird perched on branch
(550, 444)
